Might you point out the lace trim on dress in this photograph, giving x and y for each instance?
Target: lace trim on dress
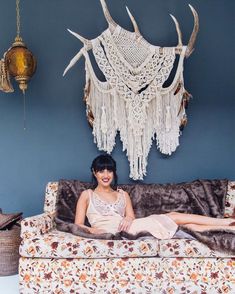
(105, 208)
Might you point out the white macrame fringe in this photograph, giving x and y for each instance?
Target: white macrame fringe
(139, 117)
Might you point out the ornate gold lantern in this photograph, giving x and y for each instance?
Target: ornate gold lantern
(20, 62)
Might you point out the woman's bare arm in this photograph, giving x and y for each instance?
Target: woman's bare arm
(80, 215)
(81, 209)
(129, 208)
(129, 215)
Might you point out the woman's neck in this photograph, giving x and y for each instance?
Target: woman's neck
(107, 189)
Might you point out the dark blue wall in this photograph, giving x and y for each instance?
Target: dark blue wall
(58, 142)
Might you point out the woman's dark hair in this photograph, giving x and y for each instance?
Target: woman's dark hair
(102, 162)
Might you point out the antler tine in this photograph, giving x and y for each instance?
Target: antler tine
(107, 15)
(73, 61)
(137, 31)
(180, 44)
(193, 36)
(82, 39)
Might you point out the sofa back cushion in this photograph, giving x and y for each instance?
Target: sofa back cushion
(205, 197)
(69, 192)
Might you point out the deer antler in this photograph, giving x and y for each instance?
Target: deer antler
(87, 43)
(73, 61)
(110, 20)
(137, 31)
(193, 36)
(180, 44)
(112, 24)
(192, 40)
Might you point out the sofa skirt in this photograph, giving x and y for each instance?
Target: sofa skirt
(127, 275)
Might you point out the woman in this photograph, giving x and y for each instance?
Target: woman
(110, 211)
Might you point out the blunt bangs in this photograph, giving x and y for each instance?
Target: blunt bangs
(103, 162)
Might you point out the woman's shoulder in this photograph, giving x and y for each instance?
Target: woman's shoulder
(85, 193)
(119, 190)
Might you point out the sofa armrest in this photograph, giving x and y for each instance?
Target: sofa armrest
(230, 200)
(37, 225)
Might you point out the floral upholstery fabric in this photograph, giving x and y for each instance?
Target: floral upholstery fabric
(56, 244)
(51, 197)
(230, 200)
(186, 248)
(36, 225)
(127, 275)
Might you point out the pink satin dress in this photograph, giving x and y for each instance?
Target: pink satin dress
(107, 216)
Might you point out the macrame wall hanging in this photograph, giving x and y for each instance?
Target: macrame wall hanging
(132, 100)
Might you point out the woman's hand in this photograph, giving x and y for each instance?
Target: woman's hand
(96, 231)
(125, 224)
(129, 215)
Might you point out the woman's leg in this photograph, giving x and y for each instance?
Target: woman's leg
(201, 228)
(184, 218)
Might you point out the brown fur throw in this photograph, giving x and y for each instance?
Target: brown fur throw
(204, 197)
(220, 240)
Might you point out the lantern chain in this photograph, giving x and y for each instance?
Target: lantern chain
(18, 18)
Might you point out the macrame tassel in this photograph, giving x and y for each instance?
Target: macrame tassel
(5, 84)
(104, 127)
(159, 111)
(115, 108)
(168, 118)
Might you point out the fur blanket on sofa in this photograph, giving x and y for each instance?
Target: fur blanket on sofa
(204, 197)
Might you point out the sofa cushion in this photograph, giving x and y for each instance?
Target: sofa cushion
(205, 197)
(187, 248)
(56, 244)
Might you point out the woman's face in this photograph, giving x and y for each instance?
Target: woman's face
(104, 177)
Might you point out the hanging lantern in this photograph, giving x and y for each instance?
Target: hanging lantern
(20, 62)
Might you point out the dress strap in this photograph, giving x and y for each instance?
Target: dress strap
(122, 193)
(90, 192)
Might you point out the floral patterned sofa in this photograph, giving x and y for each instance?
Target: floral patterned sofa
(57, 262)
